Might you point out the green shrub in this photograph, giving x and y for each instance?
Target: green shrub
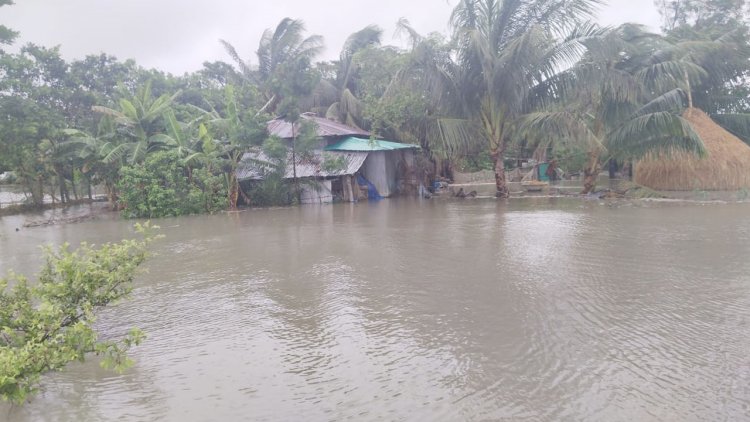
(271, 191)
(163, 187)
(48, 323)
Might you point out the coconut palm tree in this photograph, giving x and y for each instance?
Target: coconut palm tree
(712, 72)
(139, 124)
(346, 106)
(504, 49)
(278, 48)
(613, 101)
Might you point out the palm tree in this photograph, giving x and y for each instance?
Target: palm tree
(283, 46)
(712, 72)
(505, 48)
(610, 101)
(428, 73)
(139, 124)
(346, 107)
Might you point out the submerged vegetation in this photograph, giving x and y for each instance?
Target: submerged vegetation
(514, 80)
(47, 323)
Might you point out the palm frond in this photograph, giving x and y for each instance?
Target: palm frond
(658, 132)
(243, 66)
(546, 128)
(452, 137)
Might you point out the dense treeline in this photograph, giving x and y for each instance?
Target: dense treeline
(514, 79)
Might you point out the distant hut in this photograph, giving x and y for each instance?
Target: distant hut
(365, 167)
(727, 166)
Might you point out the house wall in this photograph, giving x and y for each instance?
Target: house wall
(381, 169)
(391, 171)
(374, 169)
(316, 192)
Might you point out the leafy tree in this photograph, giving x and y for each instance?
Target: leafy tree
(33, 99)
(403, 92)
(48, 323)
(715, 14)
(91, 151)
(7, 35)
(713, 36)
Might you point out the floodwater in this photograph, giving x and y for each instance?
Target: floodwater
(478, 310)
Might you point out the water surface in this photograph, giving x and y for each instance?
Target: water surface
(533, 309)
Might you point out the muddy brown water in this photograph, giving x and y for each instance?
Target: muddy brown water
(534, 309)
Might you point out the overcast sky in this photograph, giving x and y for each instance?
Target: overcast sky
(179, 35)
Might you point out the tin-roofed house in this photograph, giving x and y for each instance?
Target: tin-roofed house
(348, 165)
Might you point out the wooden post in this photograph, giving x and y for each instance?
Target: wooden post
(348, 191)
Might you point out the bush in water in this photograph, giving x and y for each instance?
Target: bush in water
(46, 324)
(163, 186)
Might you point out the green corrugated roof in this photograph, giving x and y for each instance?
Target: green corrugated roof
(359, 144)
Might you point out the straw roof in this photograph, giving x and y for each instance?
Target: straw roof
(726, 166)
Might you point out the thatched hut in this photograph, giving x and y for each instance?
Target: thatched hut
(726, 167)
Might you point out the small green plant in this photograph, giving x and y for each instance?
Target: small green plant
(742, 194)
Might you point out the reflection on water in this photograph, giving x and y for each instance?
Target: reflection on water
(401, 310)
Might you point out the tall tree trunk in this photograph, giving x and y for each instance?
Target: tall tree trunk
(501, 185)
(111, 194)
(297, 191)
(234, 191)
(493, 124)
(74, 187)
(63, 191)
(88, 188)
(689, 89)
(591, 172)
(36, 186)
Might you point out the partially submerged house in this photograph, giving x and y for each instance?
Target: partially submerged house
(348, 165)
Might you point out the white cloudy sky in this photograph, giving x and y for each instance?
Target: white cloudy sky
(179, 35)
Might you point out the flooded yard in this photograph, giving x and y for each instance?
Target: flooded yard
(533, 309)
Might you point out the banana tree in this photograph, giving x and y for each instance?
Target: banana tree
(91, 151)
(228, 136)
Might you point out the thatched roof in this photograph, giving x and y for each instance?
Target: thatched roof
(726, 167)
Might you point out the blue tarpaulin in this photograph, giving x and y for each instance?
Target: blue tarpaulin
(372, 192)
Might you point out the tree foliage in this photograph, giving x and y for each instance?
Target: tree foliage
(160, 187)
(47, 323)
